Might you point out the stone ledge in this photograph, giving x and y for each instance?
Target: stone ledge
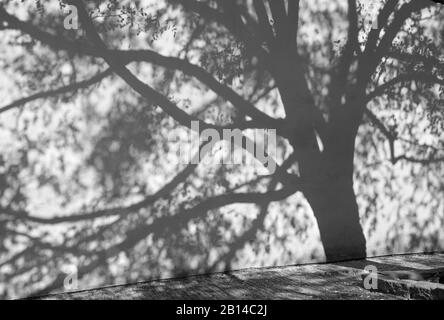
(342, 280)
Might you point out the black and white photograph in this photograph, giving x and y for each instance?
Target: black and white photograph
(232, 152)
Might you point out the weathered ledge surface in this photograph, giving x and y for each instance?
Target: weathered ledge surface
(342, 280)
